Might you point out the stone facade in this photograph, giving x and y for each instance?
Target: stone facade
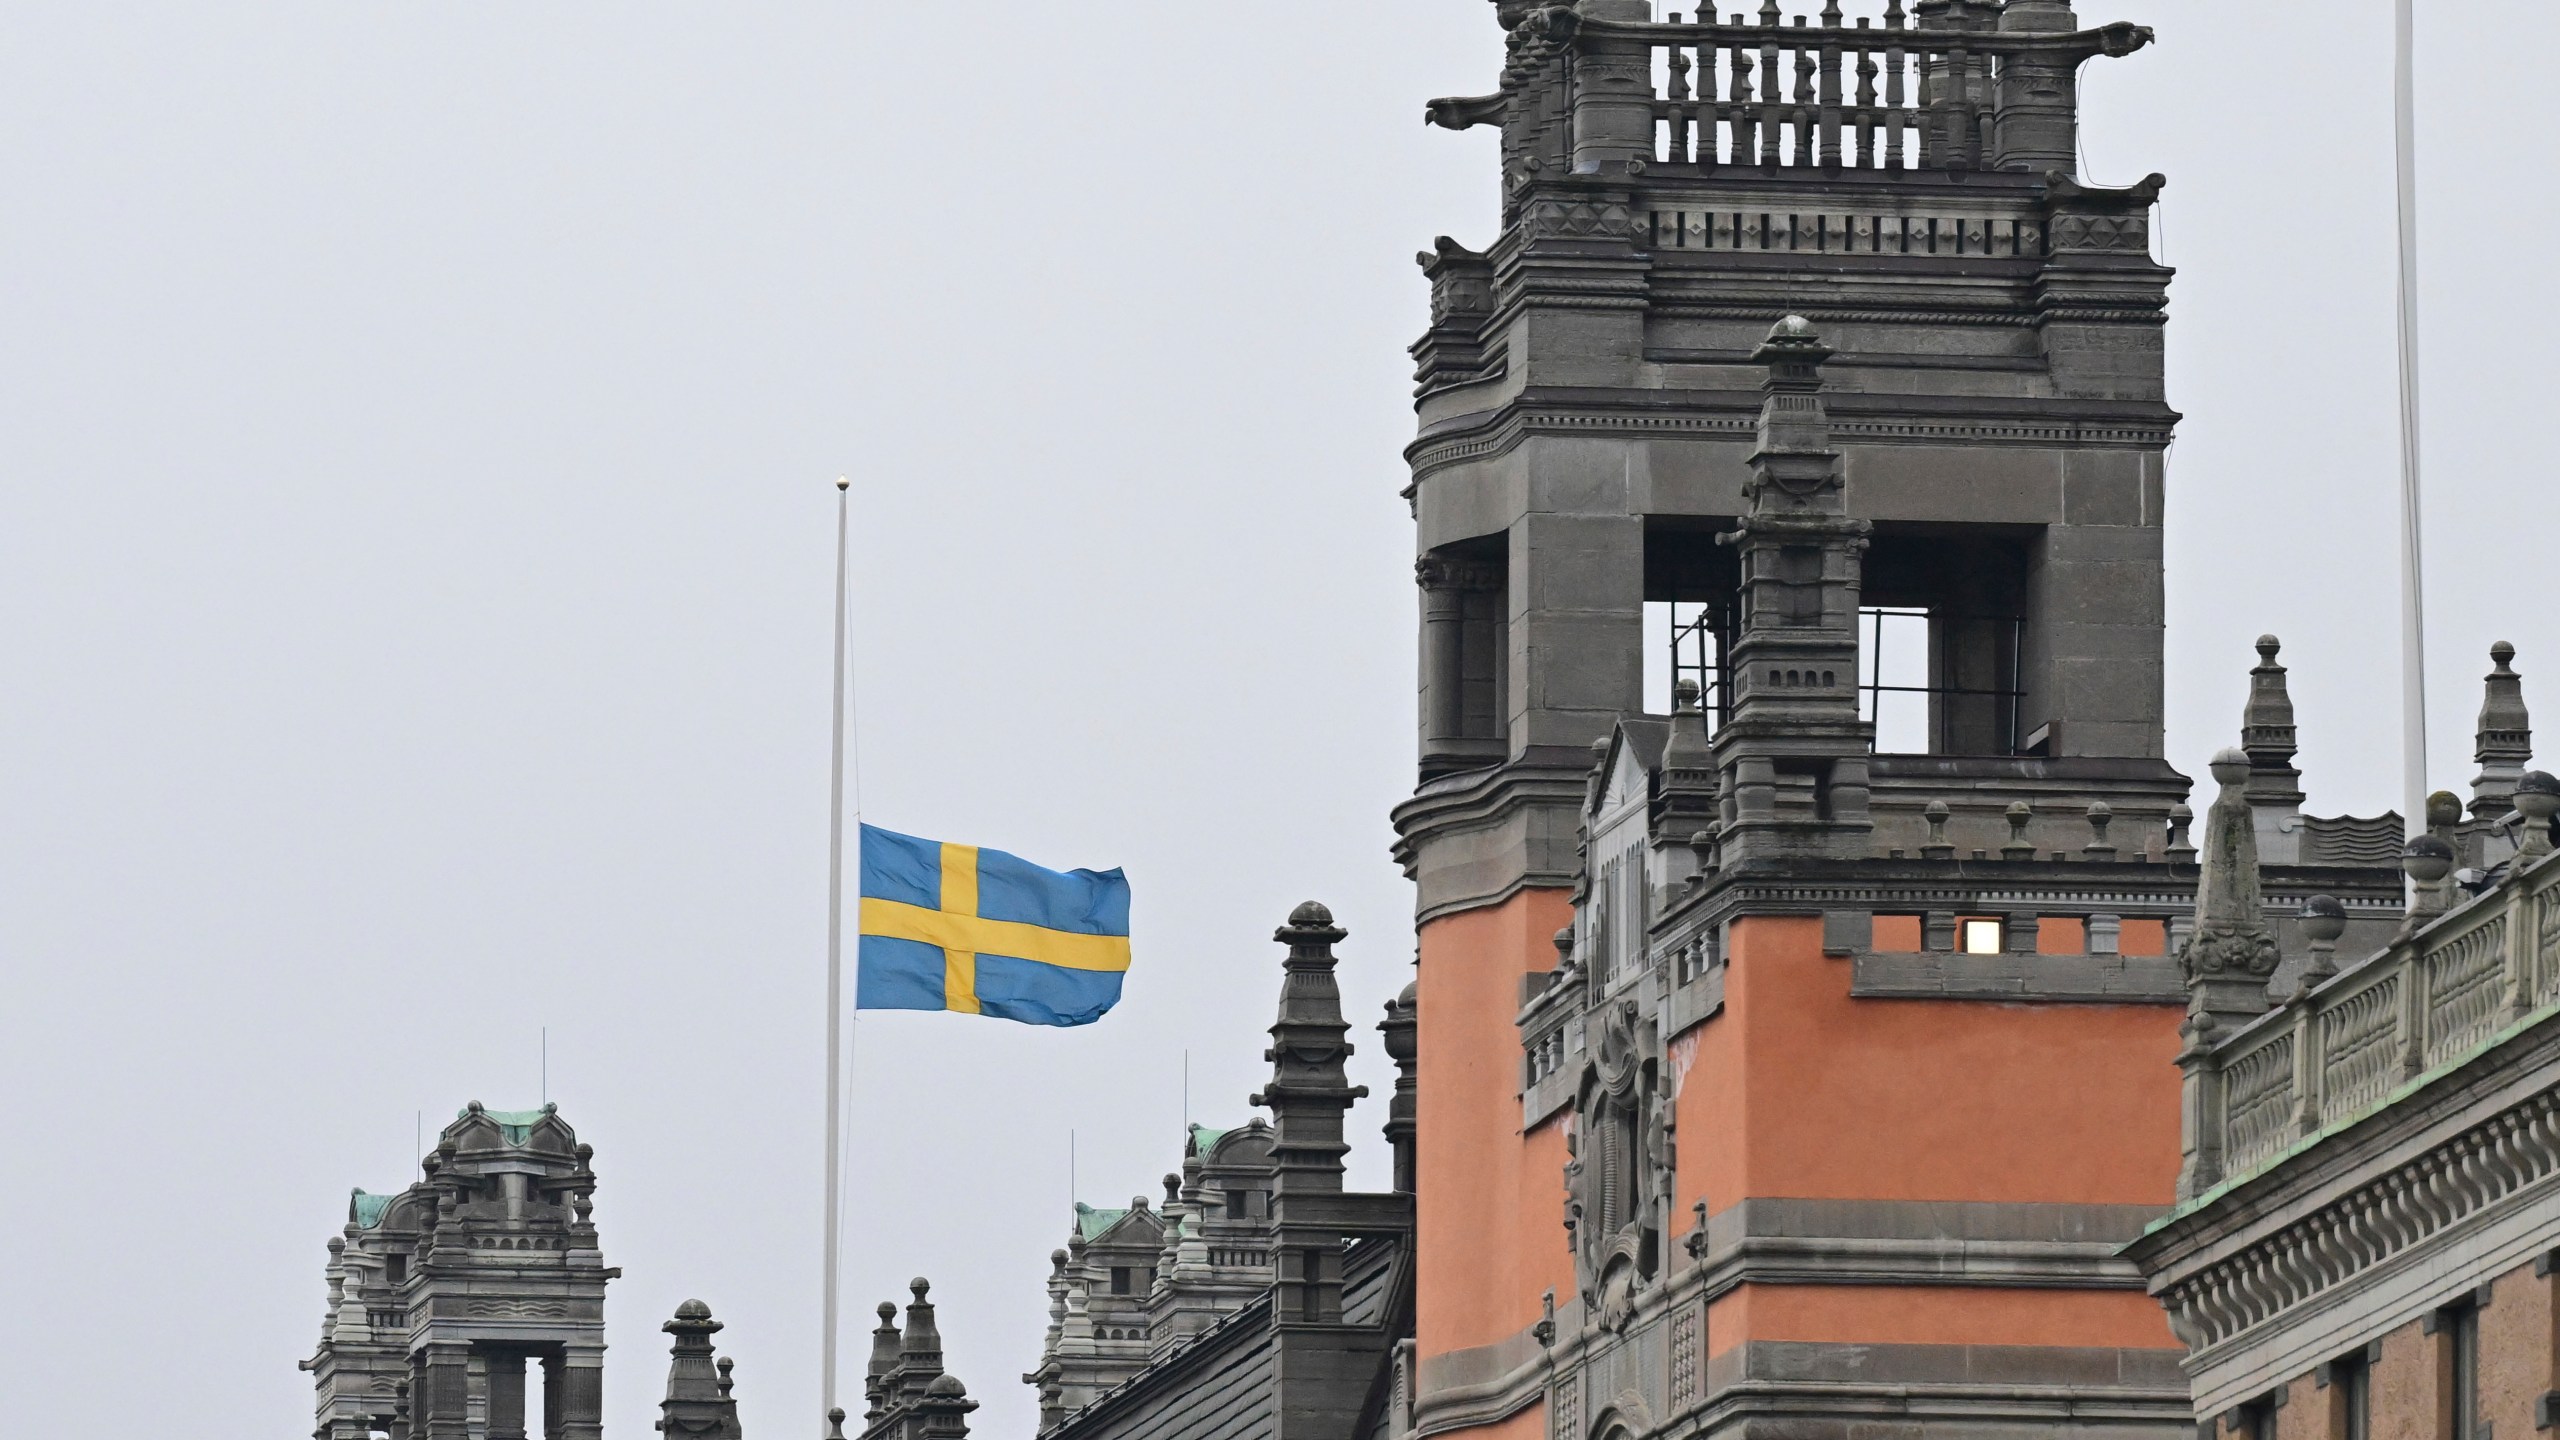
(1835, 984)
(442, 1296)
(2369, 1216)
(1262, 1299)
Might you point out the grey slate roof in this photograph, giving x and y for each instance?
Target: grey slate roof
(1221, 1384)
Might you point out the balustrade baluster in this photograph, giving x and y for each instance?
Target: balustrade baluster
(1830, 93)
(1955, 111)
(1894, 19)
(1807, 99)
(1746, 135)
(1676, 91)
(1868, 155)
(1772, 91)
(1979, 137)
(1897, 112)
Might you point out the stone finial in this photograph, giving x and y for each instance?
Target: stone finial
(2503, 741)
(1687, 748)
(728, 1379)
(2018, 846)
(835, 1423)
(2323, 920)
(920, 1348)
(698, 1404)
(2428, 862)
(2101, 815)
(1308, 1092)
(2178, 849)
(1401, 1034)
(2537, 799)
(2444, 812)
(1688, 799)
(884, 1361)
(1309, 1088)
(1702, 845)
(1936, 847)
(2230, 954)
(2267, 734)
(2266, 725)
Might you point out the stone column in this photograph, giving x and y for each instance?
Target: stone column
(580, 1386)
(444, 1413)
(1443, 655)
(506, 1393)
(1612, 93)
(2036, 128)
(554, 1379)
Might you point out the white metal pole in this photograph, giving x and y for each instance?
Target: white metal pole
(2413, 626)
(835, 987)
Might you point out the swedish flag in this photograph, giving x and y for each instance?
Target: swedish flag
(958, 927)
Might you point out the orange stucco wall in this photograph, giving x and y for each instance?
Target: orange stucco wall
(1489, 1202)
(2055, 935)
(1801, 1092)
(1938, 1315)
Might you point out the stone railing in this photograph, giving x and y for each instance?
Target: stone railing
(2347, 1045)
(1805, 88)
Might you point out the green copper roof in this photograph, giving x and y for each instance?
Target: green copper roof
(1092, 1221)
(1204, 1139)
(369, 1209)
(514, 1126)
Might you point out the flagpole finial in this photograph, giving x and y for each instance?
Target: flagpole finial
(844, 482)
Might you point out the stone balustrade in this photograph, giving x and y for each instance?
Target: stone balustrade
(2345, 1044)
(1820, 90)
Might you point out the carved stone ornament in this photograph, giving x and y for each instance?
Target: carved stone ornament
(1578, 220)
(1619, 1168)
(2231, 939)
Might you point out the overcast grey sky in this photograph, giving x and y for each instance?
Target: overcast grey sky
(418, 425)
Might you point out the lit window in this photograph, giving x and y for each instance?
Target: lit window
(1982, 937)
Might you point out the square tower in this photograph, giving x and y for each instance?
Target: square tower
(1797, 856)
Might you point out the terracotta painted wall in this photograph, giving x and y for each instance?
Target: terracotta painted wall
(2055, 935)
(1801, 1092)
(1489, 1203)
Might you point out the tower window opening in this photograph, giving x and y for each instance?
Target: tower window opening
(1982, 937)
(1933, 683)
(1123, 1280)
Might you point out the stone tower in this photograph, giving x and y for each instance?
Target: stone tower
(441, 1295)
(1797, 857)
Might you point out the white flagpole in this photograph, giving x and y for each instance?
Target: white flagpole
(835, 985)
(2413, 629)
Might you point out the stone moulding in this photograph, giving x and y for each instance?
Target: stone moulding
(1723, 414)
(2326, 1251)
(2424, 1005)
(1658, 1357)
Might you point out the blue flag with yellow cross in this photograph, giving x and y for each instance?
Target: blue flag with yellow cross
(981, 932)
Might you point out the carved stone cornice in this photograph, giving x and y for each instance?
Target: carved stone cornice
(1436, 572)
(1732, 415)
(1495, 831)
(2348, 1238)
